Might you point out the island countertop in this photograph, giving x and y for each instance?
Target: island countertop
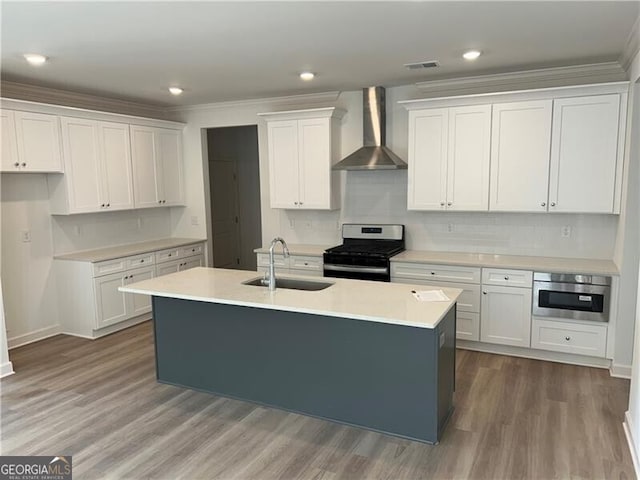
(391, 303)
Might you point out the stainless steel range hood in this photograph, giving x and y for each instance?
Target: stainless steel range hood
(374, 155)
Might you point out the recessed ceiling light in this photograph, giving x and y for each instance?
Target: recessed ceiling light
(35, 58)
(306, 76)
(175, 90)
(471, 54)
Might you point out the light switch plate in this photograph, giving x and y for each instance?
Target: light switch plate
(26, 236)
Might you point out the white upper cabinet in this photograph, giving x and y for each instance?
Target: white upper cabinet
(428, 144)
(520, 143)
(9, 160)
(449, 158)
(97, 168)
(37, 142)
(157, 166)
(302, 149)
(584, 154)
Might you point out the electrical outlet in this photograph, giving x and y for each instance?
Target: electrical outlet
(26, 236)
(566, 231)
(195, 220)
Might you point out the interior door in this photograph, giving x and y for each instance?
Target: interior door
(223, 180)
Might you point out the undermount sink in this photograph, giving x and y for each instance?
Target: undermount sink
(291, 283)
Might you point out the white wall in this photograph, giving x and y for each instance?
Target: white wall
(633, 414)
(30, 299)
(6, 367)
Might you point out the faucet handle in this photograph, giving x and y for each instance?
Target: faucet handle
(265, 280)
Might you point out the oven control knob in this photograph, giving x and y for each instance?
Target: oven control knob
(567, 338)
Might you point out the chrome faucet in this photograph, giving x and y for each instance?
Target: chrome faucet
(270, 281)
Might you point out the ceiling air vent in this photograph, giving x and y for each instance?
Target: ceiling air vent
(420, 65)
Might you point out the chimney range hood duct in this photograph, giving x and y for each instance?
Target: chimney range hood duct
(374, 155)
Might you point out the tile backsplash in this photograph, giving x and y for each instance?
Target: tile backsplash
(381, 197)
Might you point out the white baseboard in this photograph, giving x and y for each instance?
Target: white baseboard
(35, 336)
(628, 432)
(535, 354)
(620, 371)
(6, 369)
(113, 328)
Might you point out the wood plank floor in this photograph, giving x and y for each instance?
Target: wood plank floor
(99, 401)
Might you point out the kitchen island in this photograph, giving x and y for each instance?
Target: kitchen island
(362, 353)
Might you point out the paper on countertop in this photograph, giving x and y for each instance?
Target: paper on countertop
(430, 296)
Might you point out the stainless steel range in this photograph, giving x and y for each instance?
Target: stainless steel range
(365, 252)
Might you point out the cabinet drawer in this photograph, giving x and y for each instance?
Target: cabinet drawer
(167, 255)
(165, 268)
(109, 266)
(279, 260)
(569, 337)
(512, 278)
(306, 263)
(447, 273)
(468, 326)
(139, 261)
(191, 250)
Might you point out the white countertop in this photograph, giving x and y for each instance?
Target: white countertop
(119, 251)
(358, 299)
(298, 249)
(540, 264)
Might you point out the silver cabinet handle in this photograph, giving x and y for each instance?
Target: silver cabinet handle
(553, 204)
(484, 293)
(102, 206)
(567, 338)
(543, 204)
(354, 268)
(442, 204)
(108, 205)
(16, 164)
(506, 278)
(159, 201)
(24, 164)
(449, 203)
(295, 203)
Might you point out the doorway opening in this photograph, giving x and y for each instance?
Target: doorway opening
(234, 187)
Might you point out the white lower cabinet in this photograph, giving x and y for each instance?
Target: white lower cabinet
(468, 306)
(308, 265)
(93, 306)
(569, 337)
(113, 306)
(506, 315)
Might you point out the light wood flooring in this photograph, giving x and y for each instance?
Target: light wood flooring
(99, 401)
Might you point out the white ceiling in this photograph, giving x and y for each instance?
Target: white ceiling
(221, 51)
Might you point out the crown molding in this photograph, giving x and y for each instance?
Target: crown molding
(526, 79)
(632, 47)
(308, 100)
(32, 93)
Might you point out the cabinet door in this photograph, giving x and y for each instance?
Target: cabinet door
(143, 157)
(9, 160)
(468, 164)
(191, 262)
(283, 163)
(506, 316)
(168, 267)
(584, 154)
(314, 163)
(117, 181)
(82, 165)
(520, 143)
(111, 305)
(138, 304)
(169, 166)
(427, 176)
(38, 139)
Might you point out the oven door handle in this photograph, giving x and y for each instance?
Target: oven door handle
(355, 268)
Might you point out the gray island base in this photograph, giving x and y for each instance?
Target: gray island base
(389, 378)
